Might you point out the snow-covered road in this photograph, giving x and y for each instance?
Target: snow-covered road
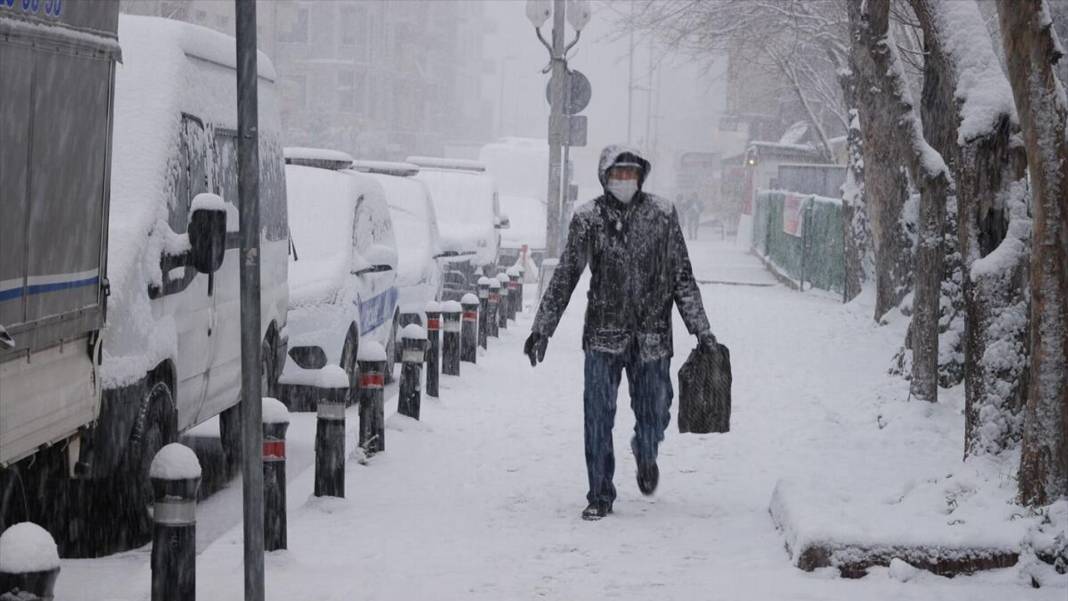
(481, 499)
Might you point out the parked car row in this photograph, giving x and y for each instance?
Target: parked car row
(119, 325)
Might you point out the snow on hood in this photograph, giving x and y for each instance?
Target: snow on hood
(611, 154)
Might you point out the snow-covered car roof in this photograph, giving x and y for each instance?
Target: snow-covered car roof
(447, 163)
(323, 158)
(398, 168)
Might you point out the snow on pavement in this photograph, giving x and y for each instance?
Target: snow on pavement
(481, 499)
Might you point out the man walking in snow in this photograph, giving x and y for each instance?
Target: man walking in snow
(639, 266)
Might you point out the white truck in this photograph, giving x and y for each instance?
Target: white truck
(168, 357)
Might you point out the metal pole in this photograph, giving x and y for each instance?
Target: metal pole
(630, 77)
(248, 191)
(557, 122)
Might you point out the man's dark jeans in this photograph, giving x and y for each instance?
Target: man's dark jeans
(650, 398)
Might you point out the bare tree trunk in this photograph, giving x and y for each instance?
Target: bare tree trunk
(856, 233)
(930, 175)
(886, 185)
(1032, 50)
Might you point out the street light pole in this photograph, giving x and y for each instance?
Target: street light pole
(248, 191)
(557, 122)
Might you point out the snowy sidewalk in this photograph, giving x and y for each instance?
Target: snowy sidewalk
(481, 499)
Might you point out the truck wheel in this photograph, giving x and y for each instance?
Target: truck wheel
(156, 427)
(13, 502)
(230, 419)
(349, 352)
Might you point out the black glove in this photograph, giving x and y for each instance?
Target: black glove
(707, 341)
(534, 347)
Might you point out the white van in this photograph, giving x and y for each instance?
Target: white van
(342, 271)
(469, 215)
(171, 346)
(415, 224)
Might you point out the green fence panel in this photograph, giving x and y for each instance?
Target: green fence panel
(816, 256)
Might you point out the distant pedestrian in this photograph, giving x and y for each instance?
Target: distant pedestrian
(694, 208)
(639, 267)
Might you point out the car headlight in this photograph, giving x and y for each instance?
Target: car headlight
(308, 357)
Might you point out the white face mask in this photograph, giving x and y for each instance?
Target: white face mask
(623, 189)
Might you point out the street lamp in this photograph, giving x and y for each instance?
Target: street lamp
(577, 14)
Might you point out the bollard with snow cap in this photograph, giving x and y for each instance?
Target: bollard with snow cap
(413, 352)
(469, 329)
(483, 311)
(275, 424)
(504, 302)
(175, 476)
(371, 363)
(522, 277)
(450, 347)
(330, 432)
(433, 351)
(494, 308)
(515, 298)
(29, 563)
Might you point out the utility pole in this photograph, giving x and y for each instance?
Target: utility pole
(248, 191)
(557, 122)
(630, 80)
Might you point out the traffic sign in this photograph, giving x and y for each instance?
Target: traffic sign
(579, 96)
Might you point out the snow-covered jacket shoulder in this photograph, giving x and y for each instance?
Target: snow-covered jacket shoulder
(639, 266)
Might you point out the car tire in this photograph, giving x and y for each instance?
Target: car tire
(156, 427)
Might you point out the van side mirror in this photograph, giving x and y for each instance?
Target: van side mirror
(502, 222)
(207, 233)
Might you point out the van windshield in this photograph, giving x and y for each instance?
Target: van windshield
(461, 198)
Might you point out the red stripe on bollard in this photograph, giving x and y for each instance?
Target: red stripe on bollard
(470, 315)
(513, 285)
(372, 380)
(433, 324)
(274, 450)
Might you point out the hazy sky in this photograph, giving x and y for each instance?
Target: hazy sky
(685, 101)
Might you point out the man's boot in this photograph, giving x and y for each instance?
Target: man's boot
(596, 510)
(648, 477)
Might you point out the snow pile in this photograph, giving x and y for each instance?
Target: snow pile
(274, 411)
(332, 376)
(413, 331)
(209, 202)
(371, 350)
(175, 462)
(982, 88)
(902, 571)
(27, 547)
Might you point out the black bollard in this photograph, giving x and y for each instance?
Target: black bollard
(275, 424)
(175, 477)
(494, 304)
(469, 329)
(450, 343)
(371, 362)
(514, 300)
(28, 582)
(413, 353)
(522, 276)
(483, 311)
(433, 351)
(330, 432)
(502, 304)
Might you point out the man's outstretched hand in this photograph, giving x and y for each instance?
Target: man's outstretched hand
(534, 347)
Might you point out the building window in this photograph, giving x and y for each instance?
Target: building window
(351, 90)
(355, 32)
(294, 29)
(295, 90)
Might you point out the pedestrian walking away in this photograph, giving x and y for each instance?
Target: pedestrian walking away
(639, 266)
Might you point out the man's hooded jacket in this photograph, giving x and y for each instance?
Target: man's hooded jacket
(638, 265)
